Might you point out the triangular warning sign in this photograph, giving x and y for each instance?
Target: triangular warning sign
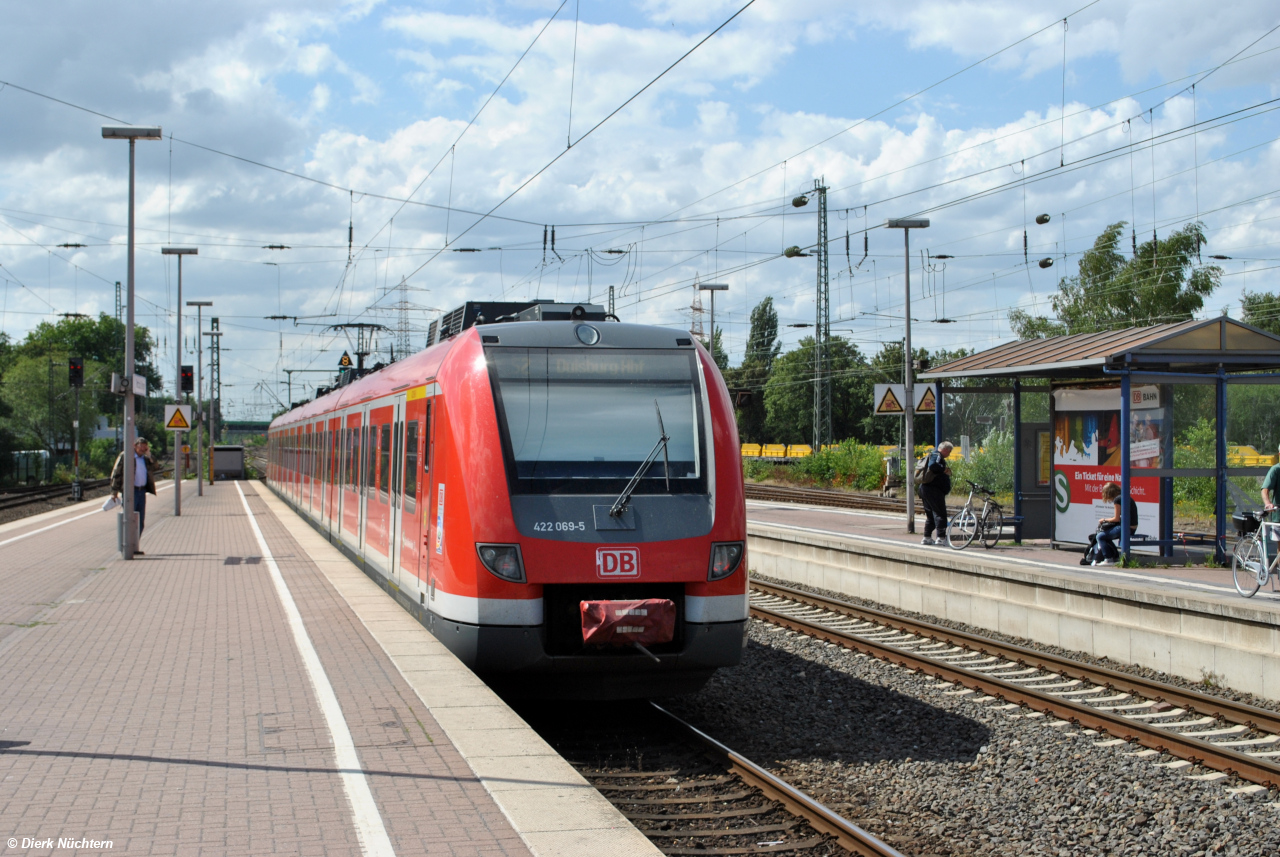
(177, 422)
(889, 404)
(928, 404)
(344, 362)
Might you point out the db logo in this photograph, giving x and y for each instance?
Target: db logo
(617, 562)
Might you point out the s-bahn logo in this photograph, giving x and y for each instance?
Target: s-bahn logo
(617, 562)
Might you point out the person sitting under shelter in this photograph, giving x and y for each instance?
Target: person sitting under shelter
(1109, 529)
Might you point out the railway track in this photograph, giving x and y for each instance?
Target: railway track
(1196, 729)
(821, 497)
(24, 497)
(690, 794)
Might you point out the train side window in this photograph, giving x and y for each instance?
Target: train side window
(411, 462)
(384, 470)
(371, 457)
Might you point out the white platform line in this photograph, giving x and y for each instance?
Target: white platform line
(67, 521)
(374, 841)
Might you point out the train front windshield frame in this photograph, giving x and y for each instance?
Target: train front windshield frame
(582, 422)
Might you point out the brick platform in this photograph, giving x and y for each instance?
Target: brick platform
(163, 704)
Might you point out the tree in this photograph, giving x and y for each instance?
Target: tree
(749, 380)
(1160, 284)
(41, 403)
(788, 393)
(100, 340)
(1262, 310)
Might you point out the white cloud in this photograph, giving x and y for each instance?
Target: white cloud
(277, 83)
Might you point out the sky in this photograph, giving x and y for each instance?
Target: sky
(412, 156)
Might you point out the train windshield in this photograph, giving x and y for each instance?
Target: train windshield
(570, 415)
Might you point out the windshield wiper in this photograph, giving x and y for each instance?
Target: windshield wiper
(620, 505)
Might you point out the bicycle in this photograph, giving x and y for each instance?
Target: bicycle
(1250, 568)
(967, 524)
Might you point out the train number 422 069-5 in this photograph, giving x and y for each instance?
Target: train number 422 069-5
(559, 526)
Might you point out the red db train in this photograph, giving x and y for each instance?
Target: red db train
(556, 496)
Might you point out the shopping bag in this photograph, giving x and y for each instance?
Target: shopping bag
(112, 502)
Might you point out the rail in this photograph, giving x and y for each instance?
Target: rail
(1133, 703)
(822, 497)
(27, 496)
(822, 819)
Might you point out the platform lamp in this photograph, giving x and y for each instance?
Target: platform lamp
(199, 305)
(177, 380)
(132, 133)
(906, 224)
(713, 288)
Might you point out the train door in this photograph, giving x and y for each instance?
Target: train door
(367, 462)
(396, 490)
(308, 466)
(426, 492)
(411, 527)
(351, 485)
(378, 494)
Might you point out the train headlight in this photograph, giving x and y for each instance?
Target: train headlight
(502, 561)
(725, 559)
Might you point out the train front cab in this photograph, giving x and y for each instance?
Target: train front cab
(548, 433)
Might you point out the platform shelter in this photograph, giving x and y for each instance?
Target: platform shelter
(1113, 391)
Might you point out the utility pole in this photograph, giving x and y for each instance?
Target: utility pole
(177, 379)
(214, 338)
(713, 288)
(289, 374)
(908, 370)
(822, 433)
(215, 380)
(132, 134)
(364, 339)
(199, 305)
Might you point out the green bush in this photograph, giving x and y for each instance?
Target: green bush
(849, 465)
(97, 458)
(756, 470)
(991, 466)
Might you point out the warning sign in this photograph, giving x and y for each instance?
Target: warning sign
(889, 401)
(927, 403)
(344, 362)
(177, 417)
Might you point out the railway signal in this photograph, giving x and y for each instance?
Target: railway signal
(75, 372)
(188, 379)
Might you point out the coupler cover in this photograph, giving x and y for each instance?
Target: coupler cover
(647, 621)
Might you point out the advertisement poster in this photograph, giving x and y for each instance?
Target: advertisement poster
(1087, 455)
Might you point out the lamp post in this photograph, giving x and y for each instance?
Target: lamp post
(199, 305)
(132, 133)
(177, 380)
(713, 288)
(906, 224)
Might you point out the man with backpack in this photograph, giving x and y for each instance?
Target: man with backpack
(934, 478)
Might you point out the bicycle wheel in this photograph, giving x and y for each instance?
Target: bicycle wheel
(962, 529)
(993, 526)
(1246, 564)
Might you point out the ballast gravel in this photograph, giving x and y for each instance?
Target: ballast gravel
(937, 773)
(1208, 685)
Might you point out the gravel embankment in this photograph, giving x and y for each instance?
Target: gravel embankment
(941, 775)
(17, 513)
(1206, 686)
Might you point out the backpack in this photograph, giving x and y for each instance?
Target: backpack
(923, 474)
